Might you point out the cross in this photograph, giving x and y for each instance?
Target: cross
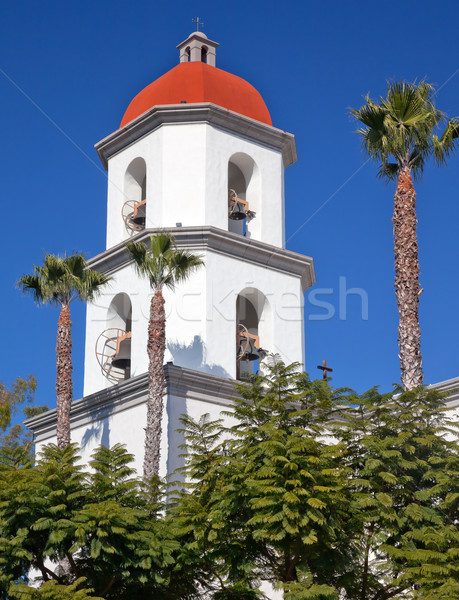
(198, 22)
(323, 367)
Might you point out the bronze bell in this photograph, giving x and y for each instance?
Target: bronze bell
(247, 348)
(236, 208)
(122, 357)
(250, 352)
(139, 214)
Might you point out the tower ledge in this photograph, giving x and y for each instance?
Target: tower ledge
(199, 239)
(204, 112)
(180, 382)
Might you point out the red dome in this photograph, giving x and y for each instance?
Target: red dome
(198, 82)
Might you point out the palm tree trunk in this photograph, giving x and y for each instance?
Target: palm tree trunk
(407, 289)
(64, 385)
(156, 381)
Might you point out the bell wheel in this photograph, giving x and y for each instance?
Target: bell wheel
(133, 214)
(107, 346)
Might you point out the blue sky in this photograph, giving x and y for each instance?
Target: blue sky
(79, 64)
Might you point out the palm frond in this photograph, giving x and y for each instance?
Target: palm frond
(60, 280)
(75, 265)
(33, 285)
(91, 284)
(405, 105)
(445, 146)
(138, 251)
(183, 264)
(161, 243)
(399, 130)
(162, 263)
(370, 115)
(388, 171)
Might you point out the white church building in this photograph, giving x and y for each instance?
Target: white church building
(196, 154)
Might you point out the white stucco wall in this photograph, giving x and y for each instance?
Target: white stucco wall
(127, 427)
(187, 181)
(201, 317)
(280, 332)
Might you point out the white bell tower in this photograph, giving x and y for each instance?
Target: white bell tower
(196, 154)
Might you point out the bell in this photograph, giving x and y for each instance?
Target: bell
(122, 357)
(139, 214)
(236, 211)
(140, 221)
(247, 350)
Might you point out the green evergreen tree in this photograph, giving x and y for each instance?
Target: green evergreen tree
(267, 497)
(51, 590)
(403, 453)
(17, 402)
(100, 525)
(325, 493)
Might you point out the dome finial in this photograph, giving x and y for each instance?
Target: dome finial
(197, 47)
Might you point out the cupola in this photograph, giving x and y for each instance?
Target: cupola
(198, 48)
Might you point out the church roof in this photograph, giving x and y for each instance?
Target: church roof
(195, 82)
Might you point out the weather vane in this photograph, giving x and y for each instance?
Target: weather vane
(198, 22)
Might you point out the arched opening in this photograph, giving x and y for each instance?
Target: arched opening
(253, 330)
(204, 50)
(113, 347)
(135, 193)
(188, 54)
(243, 193)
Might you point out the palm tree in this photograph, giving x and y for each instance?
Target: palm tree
(400, 134)
(164, 265)
(59, 281)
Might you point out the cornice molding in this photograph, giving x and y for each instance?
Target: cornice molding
(451, 386)
(181, 382)
(221, 242)
(204, 112)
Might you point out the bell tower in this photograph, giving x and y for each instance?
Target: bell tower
(196, 154)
